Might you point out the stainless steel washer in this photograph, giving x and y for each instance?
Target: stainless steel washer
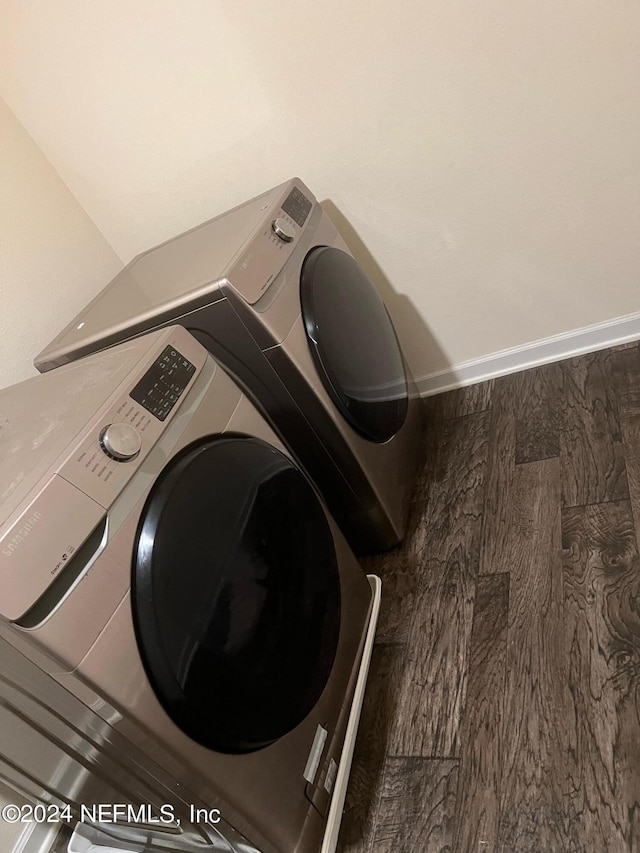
(164, 560)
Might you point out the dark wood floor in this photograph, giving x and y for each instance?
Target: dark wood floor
(502, 712)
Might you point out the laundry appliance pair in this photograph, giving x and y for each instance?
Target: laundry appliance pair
(272, 291)
(166, 554)
(166, 567)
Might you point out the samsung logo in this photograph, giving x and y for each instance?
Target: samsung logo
(12, 545)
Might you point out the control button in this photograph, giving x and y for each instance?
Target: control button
(120, 441)
(283, 229)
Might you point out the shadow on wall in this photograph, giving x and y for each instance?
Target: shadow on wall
(421, 349)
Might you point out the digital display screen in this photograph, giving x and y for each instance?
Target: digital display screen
(297, 206)
(161, 386)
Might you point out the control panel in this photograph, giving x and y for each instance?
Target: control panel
(297, 206)
(163, 383)
(129, 428)
(267, 253)
(294, 211)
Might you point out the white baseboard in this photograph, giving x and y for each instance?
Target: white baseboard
(588, 339)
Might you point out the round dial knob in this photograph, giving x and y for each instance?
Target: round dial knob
(120, 441)
(283, 229)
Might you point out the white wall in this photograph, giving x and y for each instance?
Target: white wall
(485, 154)
(52, 256)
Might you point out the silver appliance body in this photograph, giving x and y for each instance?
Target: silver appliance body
(159, 550)
(237, 283)
(57, 755)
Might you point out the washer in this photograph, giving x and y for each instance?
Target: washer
(272, 291)
(165, 561)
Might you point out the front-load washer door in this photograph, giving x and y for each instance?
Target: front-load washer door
(353, 343)
(235, 593)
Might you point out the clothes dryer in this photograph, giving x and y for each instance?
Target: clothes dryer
(167, 563)
(272, 291)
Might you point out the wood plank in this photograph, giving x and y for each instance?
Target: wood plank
(434, 411)
(463, 401)
(501, 460)
(434, 425)
(431, 695)
(626, 373)
(601, 574)
(417, 806)
(399, 571)
(625, 365)
(536, 394)
(480, 775)
(365, 781)
(524, 427)
(532, 801)
(591, 451)
(631, 440)
(621, 347)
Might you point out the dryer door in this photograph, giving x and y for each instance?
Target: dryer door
(353, 343)
(236, 593)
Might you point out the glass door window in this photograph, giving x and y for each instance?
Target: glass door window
(353, 343)
(236, 593)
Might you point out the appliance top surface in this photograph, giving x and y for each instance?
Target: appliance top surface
(41, 416)
(167, 278)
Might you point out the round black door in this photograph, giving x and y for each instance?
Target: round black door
(353, 343)
(236, 593)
